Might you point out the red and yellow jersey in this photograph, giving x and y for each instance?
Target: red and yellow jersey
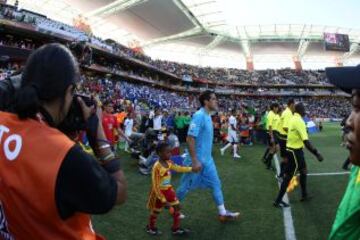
(161, 180)
(28, 175)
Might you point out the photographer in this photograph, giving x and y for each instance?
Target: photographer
(49, 185)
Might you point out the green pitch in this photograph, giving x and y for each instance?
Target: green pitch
(249, 188)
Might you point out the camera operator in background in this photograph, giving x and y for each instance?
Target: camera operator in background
(49, 185)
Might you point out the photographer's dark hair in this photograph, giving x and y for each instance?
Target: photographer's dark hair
(205, 96)
(49, 71)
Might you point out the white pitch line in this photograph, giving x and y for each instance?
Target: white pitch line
(328, 174)
(288, 219)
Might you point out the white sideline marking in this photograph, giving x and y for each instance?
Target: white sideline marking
(288, 219)
(328, 174)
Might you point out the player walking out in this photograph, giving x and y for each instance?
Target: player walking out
(200, 140)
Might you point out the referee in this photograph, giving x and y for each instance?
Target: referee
(297, 138)
(285, 117)
(272, 119)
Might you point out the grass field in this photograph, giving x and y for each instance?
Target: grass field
(249, 188)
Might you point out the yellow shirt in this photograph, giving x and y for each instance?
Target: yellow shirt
(286, 115)
(297, 132)
(270, 118)
(276, 123)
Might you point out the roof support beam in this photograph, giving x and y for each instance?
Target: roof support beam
(244, 42)
(354, 47)
(201, 4)
(303, 45)
(116, 6)
(179, 36)
(188, 13)
(214, 43)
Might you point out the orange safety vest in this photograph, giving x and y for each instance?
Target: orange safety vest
(31, 154)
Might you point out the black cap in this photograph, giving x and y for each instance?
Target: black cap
(345, 78)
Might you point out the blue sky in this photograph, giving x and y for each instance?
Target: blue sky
(344, 13)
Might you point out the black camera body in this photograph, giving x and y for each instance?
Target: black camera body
(74, 120)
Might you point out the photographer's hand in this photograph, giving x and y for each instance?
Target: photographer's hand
(87, 111)
(101, 152)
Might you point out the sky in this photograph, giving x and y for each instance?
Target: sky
(318, 12)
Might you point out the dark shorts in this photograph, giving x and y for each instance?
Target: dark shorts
(269, 139)
(296, 160)
(282, 144)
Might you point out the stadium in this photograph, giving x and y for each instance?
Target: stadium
(114, 84)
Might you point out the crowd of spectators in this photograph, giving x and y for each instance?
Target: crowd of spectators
(148, 97)
(143, 96)
(11, 41)
(218, 75)
(285, 76)
(324, 107)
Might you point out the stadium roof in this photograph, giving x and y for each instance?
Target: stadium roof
(219, 32)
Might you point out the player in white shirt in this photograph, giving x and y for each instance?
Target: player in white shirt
(129, 124)
(129, 133)
(157, 123)
(232, 138)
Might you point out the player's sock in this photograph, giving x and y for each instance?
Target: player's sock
(266, 153)
(176, 218)
(269, 160)
(282, 169)
(152, 221)
(222, 210)
(283, 187)
(235, 147)
(346, 164)
(303, 184)
(226, 147)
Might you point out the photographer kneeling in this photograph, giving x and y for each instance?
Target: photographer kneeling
(48, 184)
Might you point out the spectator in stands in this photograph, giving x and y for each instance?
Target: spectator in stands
(180, 126)
(173, 142)
(158, 123)
(169, 119)
(187, 120)
(109, 123)
(244, 129)
(129, 126)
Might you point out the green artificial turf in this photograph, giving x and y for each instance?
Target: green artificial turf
(249, 188)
